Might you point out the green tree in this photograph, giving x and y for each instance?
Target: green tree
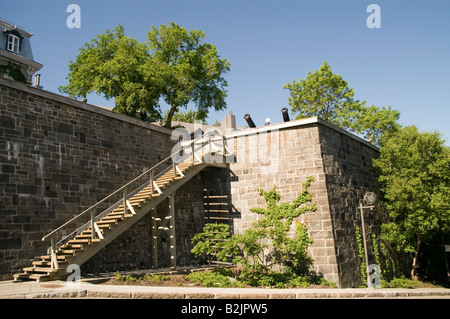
(328, 96)
(174, 65)
(190, 116)
(373, 123)
(414, 175)
(117, 67)
(190, 71)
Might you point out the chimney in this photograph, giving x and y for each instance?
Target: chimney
(228, 123)
(37, 81)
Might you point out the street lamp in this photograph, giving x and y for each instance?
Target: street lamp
(369, 201)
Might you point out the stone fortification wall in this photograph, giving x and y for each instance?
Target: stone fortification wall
(59, 156)
(285, 155)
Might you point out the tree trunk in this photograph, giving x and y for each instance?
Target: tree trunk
(168, 122)
(414, 275)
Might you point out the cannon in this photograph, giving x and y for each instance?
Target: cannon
(285, 113)
(249, 120)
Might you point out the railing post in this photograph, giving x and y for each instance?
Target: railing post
(174, 169)
(172, 235)
(92, 224)
(125, 195)
(152, 180)
(54, 259)
(224, 150)
(209, 135)
(192, 153)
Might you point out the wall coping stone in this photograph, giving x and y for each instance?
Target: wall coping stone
(81, 105)
(296, 124)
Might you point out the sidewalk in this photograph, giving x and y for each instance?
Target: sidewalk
(60, 289)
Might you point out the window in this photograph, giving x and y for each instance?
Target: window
(13, 43)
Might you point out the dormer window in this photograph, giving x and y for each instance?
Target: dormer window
(13, 43)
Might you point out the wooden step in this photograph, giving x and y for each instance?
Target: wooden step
(40, 277)
(46, 270)
(67, 252)
(106, 222)
(72, 246)
(78, 241)
(60, 258)
(110, 219)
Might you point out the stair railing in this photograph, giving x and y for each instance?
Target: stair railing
(171, 162)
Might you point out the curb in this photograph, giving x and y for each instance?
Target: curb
(125, 293)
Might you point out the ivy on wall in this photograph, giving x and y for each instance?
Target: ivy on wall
(13, 71)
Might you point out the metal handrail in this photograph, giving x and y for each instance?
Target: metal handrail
(119, 189)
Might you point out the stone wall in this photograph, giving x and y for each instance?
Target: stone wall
(59, 156)
(133, 249)
(349, 174)
(285, 155)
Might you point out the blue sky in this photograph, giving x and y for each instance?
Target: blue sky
(404, 64)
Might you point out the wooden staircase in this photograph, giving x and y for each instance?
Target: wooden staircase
(87, 240)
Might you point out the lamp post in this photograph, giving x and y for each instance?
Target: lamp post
(369, 201)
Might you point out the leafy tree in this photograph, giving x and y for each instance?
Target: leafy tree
(190, 116)
(118, 67)
(328, 96)
(173, 65)
(191, 71)
(414, 175)
(373, 123)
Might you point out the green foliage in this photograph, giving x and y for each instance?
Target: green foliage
(403, 282)
(174, 65)
(222, 278)
(13, 71)
(265, 253)
(211, 241)
(374, 123)
(414, 175)
(139, 278)
(362, 260)
(190, 70)
(190, 116)
(267, 243)
(328, 96)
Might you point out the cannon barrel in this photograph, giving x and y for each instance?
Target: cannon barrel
(285, 113)
(249, 120)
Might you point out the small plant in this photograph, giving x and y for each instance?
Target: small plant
(216, 278)
(266, 253)
(211, 241)
(133, 279)
(361, 257)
